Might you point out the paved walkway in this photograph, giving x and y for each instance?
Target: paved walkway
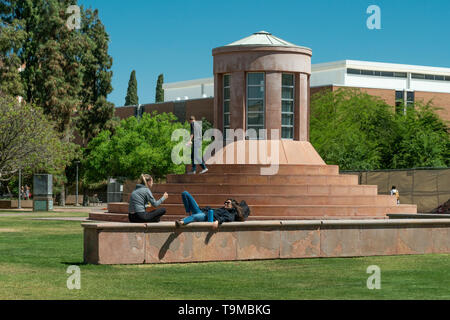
(82, 219)
(60, 209)
(57, 209)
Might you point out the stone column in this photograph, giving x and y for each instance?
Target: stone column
(308, 92)
(218, 101)
(273, 102)
(303, 99)
(297, 107)
(237, 101)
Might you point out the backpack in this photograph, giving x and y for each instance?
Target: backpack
(245, 209)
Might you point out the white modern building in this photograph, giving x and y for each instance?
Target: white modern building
(191, 89)
(346, 73)
(398, 84)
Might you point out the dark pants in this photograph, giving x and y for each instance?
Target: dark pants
(153, 216)
(196, 156)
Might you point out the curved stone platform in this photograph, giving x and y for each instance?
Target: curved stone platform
(131, 243)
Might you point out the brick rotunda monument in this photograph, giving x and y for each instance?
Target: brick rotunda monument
(262, 83)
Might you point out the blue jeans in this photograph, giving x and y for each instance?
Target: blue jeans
(192, 208)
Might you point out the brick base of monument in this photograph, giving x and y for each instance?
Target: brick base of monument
(126, 243)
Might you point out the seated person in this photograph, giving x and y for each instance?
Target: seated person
(139, 200)
(231, 211)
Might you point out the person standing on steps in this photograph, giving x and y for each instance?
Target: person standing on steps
(140, 199)
(196, 150)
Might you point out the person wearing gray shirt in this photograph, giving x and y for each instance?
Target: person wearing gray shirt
(140, 198)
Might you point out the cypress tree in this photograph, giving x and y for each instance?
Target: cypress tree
(159, 89)
(132, 97)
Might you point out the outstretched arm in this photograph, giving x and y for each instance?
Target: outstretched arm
(155, 203)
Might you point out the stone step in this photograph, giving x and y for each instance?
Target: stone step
(123, 217)
(341, 190)
(310, 210)
(237, 179)
(291, 210)
(287, 199)
(283, 169)
(108, 216)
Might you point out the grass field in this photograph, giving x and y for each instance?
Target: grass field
(35, 255)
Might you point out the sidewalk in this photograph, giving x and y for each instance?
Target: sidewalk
(60, 209)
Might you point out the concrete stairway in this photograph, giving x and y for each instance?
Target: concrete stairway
(295, 192)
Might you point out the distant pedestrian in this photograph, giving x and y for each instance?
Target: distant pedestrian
(196, 142)
(394, 192)
(27, 192)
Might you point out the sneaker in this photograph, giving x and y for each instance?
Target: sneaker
(178, 224)
(191, 172)
(204, 171)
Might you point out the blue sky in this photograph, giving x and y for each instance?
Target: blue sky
(176, 37)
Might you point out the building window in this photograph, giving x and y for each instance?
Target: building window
(387, 74)
(417, 76)
(410, 100)
(255, 102)
(404, 101)
(377, 73)
(399, 102)
(226, 102)
(430, 77)
(353, 71)
(287, 106)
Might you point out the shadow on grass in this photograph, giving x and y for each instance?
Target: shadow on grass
(75, 263)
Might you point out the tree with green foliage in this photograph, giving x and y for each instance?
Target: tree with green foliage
(358, 131)
(95, 113)
(132, 98)
(134, 148)
(67, 71)
(159, 97)
(50, 52)
(350, 128)
(29, 141)
(11, 39)
(423, 139)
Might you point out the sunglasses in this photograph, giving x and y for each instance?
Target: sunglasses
(227, 202)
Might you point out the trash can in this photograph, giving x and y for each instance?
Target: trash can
(115, 190)
(42, 192)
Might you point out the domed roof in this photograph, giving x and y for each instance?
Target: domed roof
(262, 38)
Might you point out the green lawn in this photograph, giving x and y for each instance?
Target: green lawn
(35, 254)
